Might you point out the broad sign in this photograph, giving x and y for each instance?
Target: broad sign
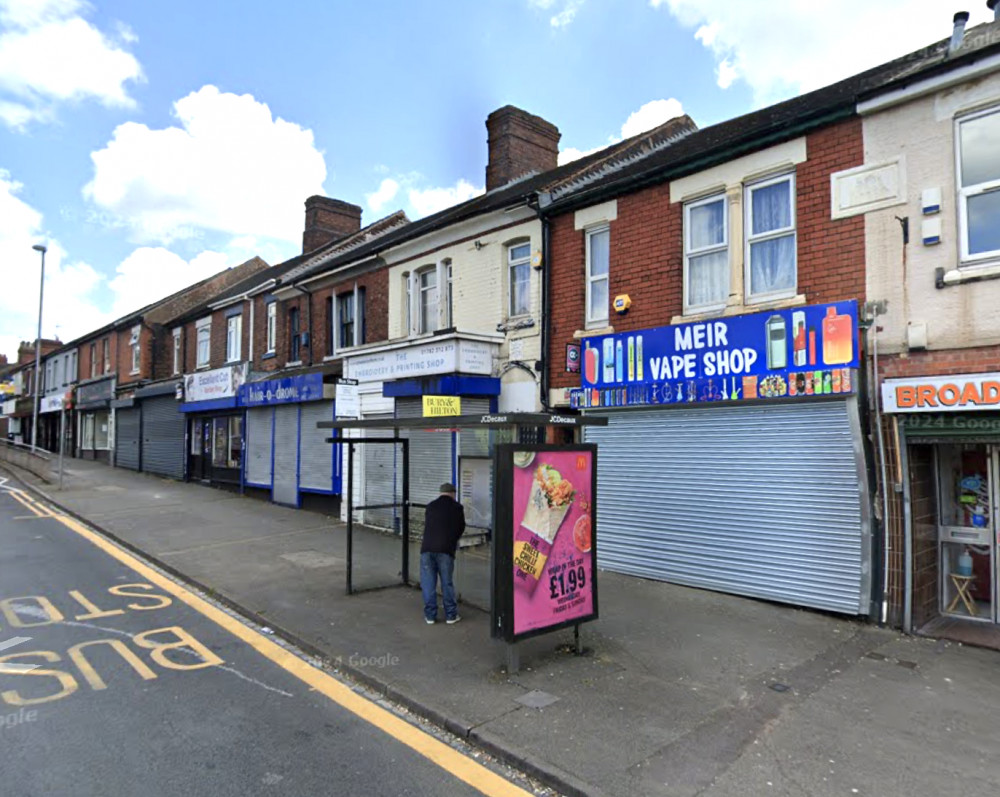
(957, 393)
(806, 351)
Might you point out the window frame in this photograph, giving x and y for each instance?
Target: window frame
(967, 260)
(133, 343)
(360, 315)
(234, 338)
(428, 325)
(294, 333)
(106, 353)
(176, 351)
(518, 263)
(691, 309)
(749, 238)
(600, 321)
(271, 329)
(346, 331)
(93, 360)
(203, 334)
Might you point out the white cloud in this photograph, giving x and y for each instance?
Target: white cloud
(426, 201)
(153, 273)
(785, 47)
(49, 54)
(229, 167)
(385, 193)
(567, 10)
(651, 115)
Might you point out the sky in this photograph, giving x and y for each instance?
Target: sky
(149, 145)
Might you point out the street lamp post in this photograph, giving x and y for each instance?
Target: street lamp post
(38, 349)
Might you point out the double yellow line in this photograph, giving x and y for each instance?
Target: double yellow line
(438, 752)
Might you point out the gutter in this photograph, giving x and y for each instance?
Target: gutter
(545, 361)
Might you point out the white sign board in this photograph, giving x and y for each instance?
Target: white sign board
(956, 393)
(426, 359)
(50, 404)
(347, 403)
(218, 383)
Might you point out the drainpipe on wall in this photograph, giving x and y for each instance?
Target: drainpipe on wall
(545, 362)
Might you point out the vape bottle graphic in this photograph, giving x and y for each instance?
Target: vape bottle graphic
(838, 345)
(777, 343)
(812, 345)
(609, 360)
(799, 338)
(619, 365)
(638, 357)
(591, 360)
(631, 359)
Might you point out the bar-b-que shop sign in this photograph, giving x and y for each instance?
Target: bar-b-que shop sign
(800, 352)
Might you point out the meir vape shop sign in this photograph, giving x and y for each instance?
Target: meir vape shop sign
(801, 352)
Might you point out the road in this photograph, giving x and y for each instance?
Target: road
(116, 680)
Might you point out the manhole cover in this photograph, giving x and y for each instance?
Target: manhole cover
(536, 699)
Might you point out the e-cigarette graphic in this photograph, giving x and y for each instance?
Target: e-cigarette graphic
(609, 361)
(777, 343)
(631, 358)
(799, 338)
(619, 365)
(638, 357)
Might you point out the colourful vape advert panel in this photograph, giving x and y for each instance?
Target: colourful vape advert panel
(797, 352)
(553, 538)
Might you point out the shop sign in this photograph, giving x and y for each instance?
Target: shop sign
(51, 404)
(441, 406)
(956, 393)
(95, 391)
(6, 388)
(573, 358)
(347, 403)
(218, 383)
(289, 390)
(9, 407)
(545, 556)
(428, 359)
(795, 353)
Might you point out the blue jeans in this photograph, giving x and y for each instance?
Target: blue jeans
(433, 565)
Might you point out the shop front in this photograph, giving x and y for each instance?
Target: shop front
(286, 453)
(733, 456)
(214, 425)
(949, 445)
(95, 421)
(392, 382)
(151, 430)
(51, 421)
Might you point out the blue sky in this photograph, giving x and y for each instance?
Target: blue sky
(152, 144)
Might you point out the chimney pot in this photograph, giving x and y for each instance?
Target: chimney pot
(328, 220)
(519, 143)
(958, 32)
(994, 6)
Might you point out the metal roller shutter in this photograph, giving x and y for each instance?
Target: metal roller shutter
(258, 446)
(763, 501)
(162, 437)
(382, 480)
(127, 438)
(315, 454)
(286, 455)
(430, 454)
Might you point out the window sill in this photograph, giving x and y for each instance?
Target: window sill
(742, 309)
(332, 357)
(237, 361)
(964, 274)
(268, 355)
(133, 373)
(293, 362)
(204, 367)
(515, 323)
(590, 333)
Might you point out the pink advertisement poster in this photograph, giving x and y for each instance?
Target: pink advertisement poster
(553, 538)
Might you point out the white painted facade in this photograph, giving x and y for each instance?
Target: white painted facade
(911, 163)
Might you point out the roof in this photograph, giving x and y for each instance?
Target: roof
(778, 122)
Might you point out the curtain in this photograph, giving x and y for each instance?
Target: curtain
(520, 280)
(772, 261)
(708, 273)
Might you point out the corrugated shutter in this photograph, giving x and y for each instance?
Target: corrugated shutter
(286, 455)
(761, 500)
(258, 445)
(430, 454)
(474, 442)
(162, 437)
(127, 422)
(381, 481)
(316, 455)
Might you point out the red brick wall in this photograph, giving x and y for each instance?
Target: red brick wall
(84, 358)
(981, 359)
(646, 243)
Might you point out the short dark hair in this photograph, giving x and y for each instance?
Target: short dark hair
(448, 487)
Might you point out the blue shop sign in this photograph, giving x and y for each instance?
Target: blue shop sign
(799, 352)
(290, 390)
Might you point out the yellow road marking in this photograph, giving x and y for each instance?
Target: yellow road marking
(452, 761)
(29, 505)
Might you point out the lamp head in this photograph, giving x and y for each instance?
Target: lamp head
(40, 248)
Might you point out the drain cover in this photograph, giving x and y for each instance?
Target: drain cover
(536, 699)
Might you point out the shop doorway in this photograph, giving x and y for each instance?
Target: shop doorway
(201, 449)
(968, 487)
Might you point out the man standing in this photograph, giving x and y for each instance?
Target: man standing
(444, 523)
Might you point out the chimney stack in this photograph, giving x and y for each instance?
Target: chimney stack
(519, 143)
(994, 6)
(328, 220)
(958, 33)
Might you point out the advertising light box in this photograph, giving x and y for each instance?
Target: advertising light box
(794, 353)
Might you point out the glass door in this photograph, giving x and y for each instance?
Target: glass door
(966, 537)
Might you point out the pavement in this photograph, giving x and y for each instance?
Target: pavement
(679, 691)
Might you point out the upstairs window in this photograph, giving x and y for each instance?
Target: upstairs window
(204, 346)
(93, 360)
(107, 356)
(234, 338)
(770, 238)
(979, 185)
(362, 334)
(706, 254)
(519, 279)
(133, 343)
(428, 312)
(294, 341)
(272, 327)
(407, 304)
(598, 261)
(345, 320)
(176, 365)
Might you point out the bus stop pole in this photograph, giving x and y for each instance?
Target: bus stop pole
(406, 511)
(350, 510)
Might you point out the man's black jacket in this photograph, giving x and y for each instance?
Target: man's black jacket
(444, 522)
